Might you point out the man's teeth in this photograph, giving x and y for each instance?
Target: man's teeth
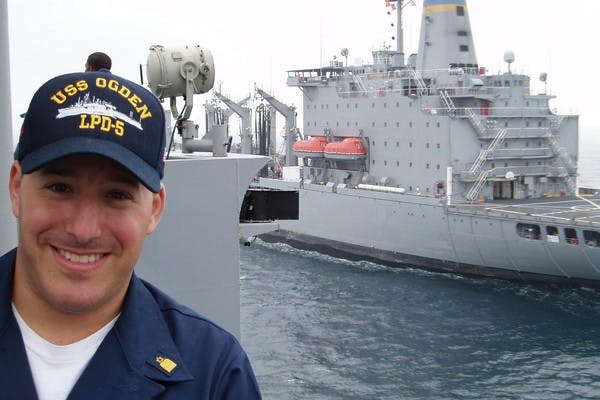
(82, 259)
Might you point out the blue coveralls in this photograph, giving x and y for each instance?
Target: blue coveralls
(158, 349)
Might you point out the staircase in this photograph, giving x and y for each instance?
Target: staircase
(450, 107)
(475, 121)
(565, 158)
(418, 79)
(476, 167)
(476, 188)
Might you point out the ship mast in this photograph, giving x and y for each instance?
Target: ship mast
(399, 35)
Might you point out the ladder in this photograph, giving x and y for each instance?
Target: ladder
(447, 102)
(476, 188)
(418, 79)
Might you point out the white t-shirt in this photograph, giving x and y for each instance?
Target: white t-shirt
(55, 369)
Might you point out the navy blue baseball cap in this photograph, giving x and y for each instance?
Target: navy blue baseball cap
(95, 113)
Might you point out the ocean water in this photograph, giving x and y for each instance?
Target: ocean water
(318, 327)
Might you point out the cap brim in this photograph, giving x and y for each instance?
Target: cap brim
(147, 175)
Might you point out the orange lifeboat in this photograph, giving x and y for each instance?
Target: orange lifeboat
(312, 147)
(347, 149)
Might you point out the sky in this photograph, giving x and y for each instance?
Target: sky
(256, 42)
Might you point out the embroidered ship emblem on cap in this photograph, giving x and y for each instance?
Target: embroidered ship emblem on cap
(166, 364)
(96, 107)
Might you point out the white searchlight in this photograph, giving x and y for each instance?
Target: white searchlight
(185, 71)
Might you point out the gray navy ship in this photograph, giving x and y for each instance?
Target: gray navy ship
(429, 161)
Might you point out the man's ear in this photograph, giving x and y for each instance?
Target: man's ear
(14, 187)
(158, 206)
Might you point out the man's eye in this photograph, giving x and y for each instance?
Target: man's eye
(118, 195)
(59, 187)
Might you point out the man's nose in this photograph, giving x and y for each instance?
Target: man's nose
(85, 219)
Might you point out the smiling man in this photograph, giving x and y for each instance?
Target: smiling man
(75, 321)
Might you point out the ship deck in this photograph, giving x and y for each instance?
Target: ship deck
(568, 209)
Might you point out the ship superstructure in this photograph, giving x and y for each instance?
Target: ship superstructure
(432, 162)
(417, 120)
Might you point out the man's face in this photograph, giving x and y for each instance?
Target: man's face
(82, 224)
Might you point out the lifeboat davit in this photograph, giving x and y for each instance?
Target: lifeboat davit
(312, 147)
(347, 149)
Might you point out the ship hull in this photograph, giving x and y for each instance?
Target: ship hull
(426, 233)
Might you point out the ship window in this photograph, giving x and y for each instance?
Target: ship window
(384, 105)
(507, 83)
(493, 165)
(337, 106)
(384, 162)
(427, 165)
(438, 124)
(373, 124)
(410, 124)
(462, 33)
(427, 124)
(571, 236)
(397, 104)
(373, 162)
(356, 123)
(526, 123)
(464, 47)
(337, 123)
(427, 145)
(397, 144)
(348, 105)
(355, 105)
(397, 163)
(373, 143)
(460, 11)
(437, 166)
(315, 107)
(552, 234)
(438, 145)
(385, 144)
(505, 144)
(410, 144)
(315, 123)
(528, 231)
(505, 164)
(527, 104)
(591, 238)
(385, 124)
(539, 123)
(397, 124)
(308, 106)
(348, 124)
(372, 105)
(410, 165)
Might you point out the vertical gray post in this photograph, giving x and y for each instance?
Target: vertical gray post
(8, 232)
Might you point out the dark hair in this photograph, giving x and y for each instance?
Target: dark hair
(97, 60)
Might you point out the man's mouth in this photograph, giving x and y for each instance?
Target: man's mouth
(80, 258)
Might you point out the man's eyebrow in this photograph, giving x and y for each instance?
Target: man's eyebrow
(59, 170)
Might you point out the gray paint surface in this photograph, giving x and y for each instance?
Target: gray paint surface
(194, 253)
